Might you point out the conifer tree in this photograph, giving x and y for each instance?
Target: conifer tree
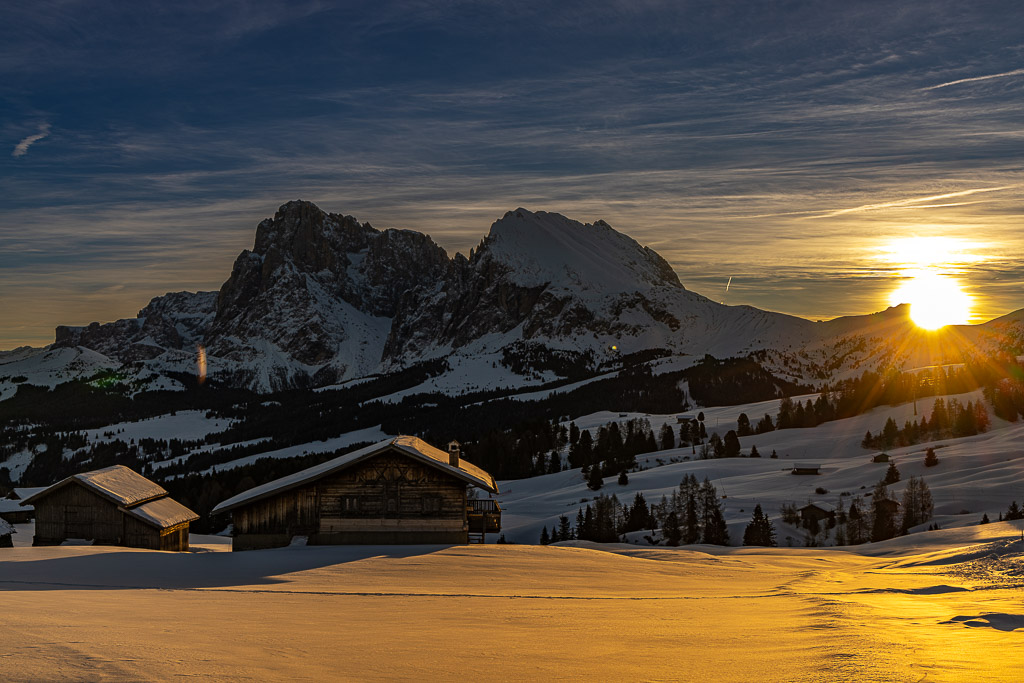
(713, 527)
(670, 530)
(623, 478)
(883, 523)
(892, 474)
(930, 459)
(731, 444)
(760, 530)
(668, 437)
(754, 453)
(544, 538)
(594, 479)
(564, 529)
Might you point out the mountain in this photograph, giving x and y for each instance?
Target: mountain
(322, 299)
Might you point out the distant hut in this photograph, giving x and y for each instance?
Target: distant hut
(881, 457)
(401, 490)
(5, 534)
(818, 512)
(13, 511)
(111, 506)
(806, 469)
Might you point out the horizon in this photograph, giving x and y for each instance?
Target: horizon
(772, 156)
(451, 254)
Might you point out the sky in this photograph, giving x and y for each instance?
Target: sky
(806, 150)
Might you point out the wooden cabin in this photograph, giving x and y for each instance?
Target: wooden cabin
(806, 469)
(5, 534)
(819, 512)
(881, 457)
(401, 490)
(13, 511)
(111, 506)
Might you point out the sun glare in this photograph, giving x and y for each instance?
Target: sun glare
(929, 264)
(935, 300)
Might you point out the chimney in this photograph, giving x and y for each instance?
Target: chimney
(454, 450)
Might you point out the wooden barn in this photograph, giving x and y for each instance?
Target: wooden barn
(5, 534)
(13, 511)
(818, 512)
(111, 506)
(401, 490)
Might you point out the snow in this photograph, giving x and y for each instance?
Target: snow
(18, 463)
(975, 475)
(579, 611)
(186, 425)
(586, 259)
(326, 446)
(163, 513)
(117, 483)
(410, 445)
(48, 366)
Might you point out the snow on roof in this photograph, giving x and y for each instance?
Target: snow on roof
(117, 483)
(5, 528)
(162, 513)
(23, 493)
(8, 505)
(409, 445)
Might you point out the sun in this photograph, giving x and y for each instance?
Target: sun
(935, 300)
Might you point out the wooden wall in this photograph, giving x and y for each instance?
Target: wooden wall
(74, 511)
(390, 498)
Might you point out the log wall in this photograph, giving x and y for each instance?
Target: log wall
(389, 498)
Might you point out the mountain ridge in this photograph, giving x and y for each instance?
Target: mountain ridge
(322, 298)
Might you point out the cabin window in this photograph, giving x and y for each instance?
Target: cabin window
(431, 504)
(350, 504)
(392, 505)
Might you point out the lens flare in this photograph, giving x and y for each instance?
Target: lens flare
(201, 363)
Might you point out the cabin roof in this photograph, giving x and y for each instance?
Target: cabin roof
(5, 528)
(116, 483)
(162, 513)
(23, 493)
(7, 505)
(408, 445)
(824, 507)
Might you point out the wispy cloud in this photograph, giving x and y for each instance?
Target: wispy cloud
(21, 149)
(913, 203)
(1005, 74)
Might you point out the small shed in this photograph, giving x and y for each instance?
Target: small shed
(806, 469)
(683, 419)
(818, 512)
(5, 534)
(12, 511)
(401, 490)
(881, 457)
(111, 506)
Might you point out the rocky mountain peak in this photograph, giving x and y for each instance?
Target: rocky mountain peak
(543, 248)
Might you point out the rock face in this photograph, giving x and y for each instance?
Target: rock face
(313, 301)
(322, 298)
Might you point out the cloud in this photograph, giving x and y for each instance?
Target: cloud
(21, 149)
(914, 203)
(1015, 72)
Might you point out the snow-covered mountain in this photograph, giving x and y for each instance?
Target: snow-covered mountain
(323, 299)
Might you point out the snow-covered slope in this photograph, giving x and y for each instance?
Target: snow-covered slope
(323, 299)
